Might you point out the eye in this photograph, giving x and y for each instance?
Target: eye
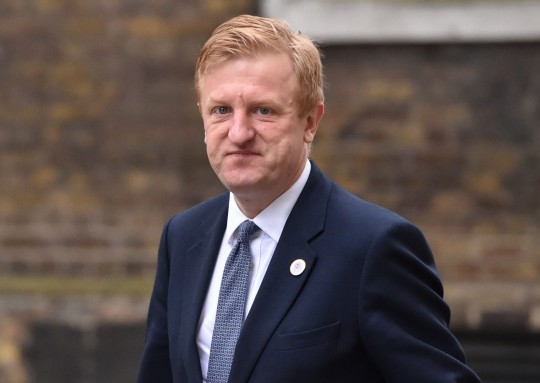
(221, 110)
(264, 111)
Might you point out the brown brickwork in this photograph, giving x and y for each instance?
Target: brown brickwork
(448, 136)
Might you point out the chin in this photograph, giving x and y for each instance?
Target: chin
(246, 187)
(237, 180)
(242, 188)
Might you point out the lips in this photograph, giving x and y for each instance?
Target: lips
(242, 153)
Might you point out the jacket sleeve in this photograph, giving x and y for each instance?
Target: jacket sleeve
(403, 316)
(155, 364)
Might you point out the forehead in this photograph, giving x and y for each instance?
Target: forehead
(262, 71)
(270, 63)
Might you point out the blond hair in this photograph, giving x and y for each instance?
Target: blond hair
(248, 36)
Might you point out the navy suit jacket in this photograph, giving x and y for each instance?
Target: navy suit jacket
(368, 307)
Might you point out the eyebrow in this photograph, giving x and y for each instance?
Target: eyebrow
(257, 101)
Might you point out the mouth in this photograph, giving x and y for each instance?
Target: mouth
(242, 153)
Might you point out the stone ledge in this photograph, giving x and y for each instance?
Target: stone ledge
(74, 310)
(476, 306)
(509, 306)
(398, 21)
(45, 287)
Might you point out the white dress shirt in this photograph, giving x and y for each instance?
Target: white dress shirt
(263, 243)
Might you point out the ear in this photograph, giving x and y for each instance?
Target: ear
(312, 123)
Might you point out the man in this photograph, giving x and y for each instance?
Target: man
(336, 289)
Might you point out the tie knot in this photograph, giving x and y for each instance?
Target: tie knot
(246, 230)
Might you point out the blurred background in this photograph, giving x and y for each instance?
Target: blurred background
(433, 111)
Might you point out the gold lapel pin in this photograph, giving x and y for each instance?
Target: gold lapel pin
(297, 267)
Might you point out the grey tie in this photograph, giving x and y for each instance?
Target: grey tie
(231, 306)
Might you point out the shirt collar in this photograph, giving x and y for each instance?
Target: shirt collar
(272, 219)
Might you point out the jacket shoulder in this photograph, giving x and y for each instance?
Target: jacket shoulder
(359, 205)
(354, 211)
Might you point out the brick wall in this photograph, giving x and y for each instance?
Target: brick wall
(448, 136)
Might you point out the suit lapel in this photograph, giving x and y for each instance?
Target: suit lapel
(280, 288)
(199, 265)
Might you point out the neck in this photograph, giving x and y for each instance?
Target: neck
(251, 207)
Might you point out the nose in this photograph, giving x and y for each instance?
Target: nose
(241, 130)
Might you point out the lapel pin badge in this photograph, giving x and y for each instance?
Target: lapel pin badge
(297, 267)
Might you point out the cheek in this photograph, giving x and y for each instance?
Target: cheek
(212, 137)
(210, 143)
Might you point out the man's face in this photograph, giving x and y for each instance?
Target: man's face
(256, 140)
